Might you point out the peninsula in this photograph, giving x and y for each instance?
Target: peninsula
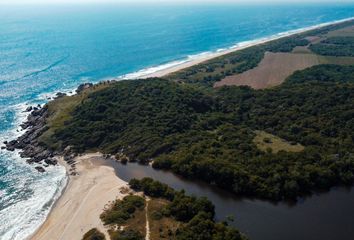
(271, 121)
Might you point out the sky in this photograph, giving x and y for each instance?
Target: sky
(165, 1)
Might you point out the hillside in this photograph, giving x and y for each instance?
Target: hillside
(276, 143)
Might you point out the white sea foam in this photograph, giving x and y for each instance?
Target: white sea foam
(163, 67)
(32, 195)
(22, 217)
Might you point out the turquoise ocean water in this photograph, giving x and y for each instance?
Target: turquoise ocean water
(45, 49)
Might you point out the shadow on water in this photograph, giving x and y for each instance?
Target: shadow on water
(323, 216)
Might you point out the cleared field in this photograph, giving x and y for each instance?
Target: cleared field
(302, 49)
(336, 60)
(271, 71)
(266, 142)
(344, 32)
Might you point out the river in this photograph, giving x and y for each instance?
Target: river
(322, 216)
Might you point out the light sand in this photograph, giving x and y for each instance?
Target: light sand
(78, 209)
(83, 200)
(206, 57)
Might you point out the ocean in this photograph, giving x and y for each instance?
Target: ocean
(46, 49)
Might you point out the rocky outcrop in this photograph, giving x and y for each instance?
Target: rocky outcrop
(59, 95)
(40, 169)
(28, 142)
(83, 86)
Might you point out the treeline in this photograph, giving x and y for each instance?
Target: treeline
(335, 46)
(197, 214)
(314, 107)
(208, 133)
(214, 70)
(122, 210)
(206, 74)
(137, 118)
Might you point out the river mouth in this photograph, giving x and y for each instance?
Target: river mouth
(323, 216)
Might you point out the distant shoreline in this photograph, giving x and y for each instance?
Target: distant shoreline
(175, 66)
(158, 71)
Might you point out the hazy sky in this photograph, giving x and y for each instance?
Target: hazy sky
(166, 1)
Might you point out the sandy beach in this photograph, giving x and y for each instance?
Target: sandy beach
(83, 200)
(86, 194)
(180, 65)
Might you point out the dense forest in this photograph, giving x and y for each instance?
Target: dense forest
(183, 124)
(335, 46)
(209, 133)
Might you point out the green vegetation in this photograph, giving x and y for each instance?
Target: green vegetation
(122, 210)
(269, 143)
(214, 70)
(335, 46)
(275, 143)
(182, 207)
(210, 133)
(126, 235)
(171, 214)
(195, 214)
(128, 212)
(93, 234)
(61, 109)
(161, 226)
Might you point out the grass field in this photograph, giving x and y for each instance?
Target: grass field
(272, 70)
(336, 60)
(344, 32)
(266, 142)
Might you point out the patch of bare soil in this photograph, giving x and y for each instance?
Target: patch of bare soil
(271, 71)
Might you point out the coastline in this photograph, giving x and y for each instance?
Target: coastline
(56, 225)
(175, 66)
(83, 200)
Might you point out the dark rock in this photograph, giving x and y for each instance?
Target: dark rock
(12, 143)
(71, 162)
(3, 147)
(5, 142)
(40, 169)
(83, 86)
(25, 125)
(28, 109)
(51, 161)
(60, 95)
(29, 161)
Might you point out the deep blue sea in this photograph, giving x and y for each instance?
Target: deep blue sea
(45, 49)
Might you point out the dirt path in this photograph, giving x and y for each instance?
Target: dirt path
(147, 236)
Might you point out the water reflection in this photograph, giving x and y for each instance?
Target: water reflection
(323, 216)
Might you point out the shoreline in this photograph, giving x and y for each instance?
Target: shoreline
(72, 216)
(195, 59)
(55, 225)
